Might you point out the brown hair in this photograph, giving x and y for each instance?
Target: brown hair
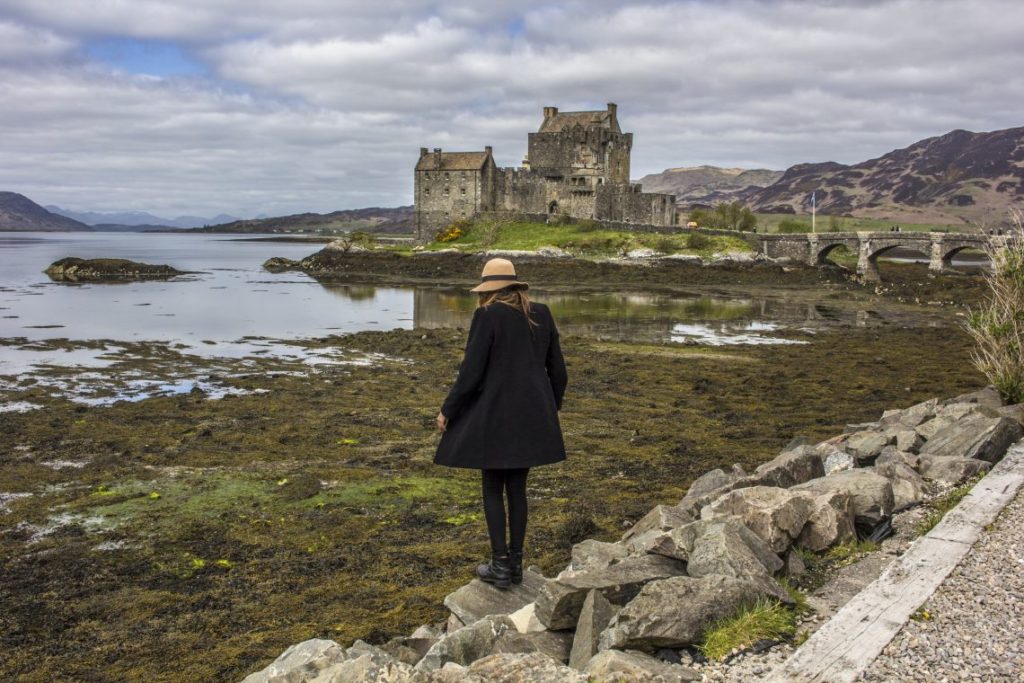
(513, 296)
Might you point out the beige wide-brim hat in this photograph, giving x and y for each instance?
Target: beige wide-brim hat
(498, 273)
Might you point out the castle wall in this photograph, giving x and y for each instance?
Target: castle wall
(627, 204)
(444, 196)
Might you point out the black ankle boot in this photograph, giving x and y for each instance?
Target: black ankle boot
(515, 560)
(498, 573)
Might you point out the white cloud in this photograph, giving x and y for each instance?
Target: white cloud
(319, 104)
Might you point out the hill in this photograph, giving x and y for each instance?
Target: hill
(18, 212)
(130, 219)
(373, 219)
(708, 184)
(957, 177)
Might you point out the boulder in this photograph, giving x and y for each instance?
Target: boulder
(865, 446)
(792, 467)
(637, 666)
(554, 644)
(453, 673)
(958, 411)
(591, 554)
(453, 624)
(908, 488)
(72, 269)
(835, 459)
(870, 493)
(985, 438)
(907, 440)
(710, 482)
(476, 599)
(987, 398)
(300, 662)
(364, 662)
(830, 522)
(723, 552)
(467, 644)
(594, 618)
(776, 515)
(676, 612)
(892, 454)
(525, 619)
(950, 470)
(534, 667)
(409, 650)
(560, 601)
(1014, 412)
(795, 566)
(679, 543)
(660, 518)
(933, 426)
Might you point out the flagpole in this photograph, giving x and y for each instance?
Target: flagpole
(813, 212)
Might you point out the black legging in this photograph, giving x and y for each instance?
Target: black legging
(496, 485)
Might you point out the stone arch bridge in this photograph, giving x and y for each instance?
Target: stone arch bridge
(814, 248)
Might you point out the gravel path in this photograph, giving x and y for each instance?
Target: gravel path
(974, 629)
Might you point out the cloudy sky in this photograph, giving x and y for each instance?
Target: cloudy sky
(262, 106)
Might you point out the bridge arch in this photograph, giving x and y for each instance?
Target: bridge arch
(823, 251)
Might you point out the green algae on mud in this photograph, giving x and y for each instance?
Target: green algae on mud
(314, 509)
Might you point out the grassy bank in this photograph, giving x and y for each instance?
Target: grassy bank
(197, 539)
(582, 238)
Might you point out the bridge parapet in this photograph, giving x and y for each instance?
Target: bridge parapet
(814, 248)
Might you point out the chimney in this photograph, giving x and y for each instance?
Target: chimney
(488, 150)
(612, 108)
(437, 157)
(549, 112)
(423, 152)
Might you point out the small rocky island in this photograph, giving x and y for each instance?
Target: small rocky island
(72, 269)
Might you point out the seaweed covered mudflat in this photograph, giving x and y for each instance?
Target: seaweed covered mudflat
(195, 531)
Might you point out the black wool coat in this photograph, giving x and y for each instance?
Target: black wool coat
(503, 408)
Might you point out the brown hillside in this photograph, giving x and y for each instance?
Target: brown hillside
(18, 212)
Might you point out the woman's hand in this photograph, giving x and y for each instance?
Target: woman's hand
(442, 422)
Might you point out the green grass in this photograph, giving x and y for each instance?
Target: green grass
(764, 620)
(938, 507)
(582, 240)
(850, 552)
(769, 222)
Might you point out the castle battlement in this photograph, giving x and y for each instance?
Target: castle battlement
(577, 164)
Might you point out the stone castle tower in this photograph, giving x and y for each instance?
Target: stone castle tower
(577, 164)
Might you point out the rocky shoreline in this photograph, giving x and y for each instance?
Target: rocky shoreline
(633, 608)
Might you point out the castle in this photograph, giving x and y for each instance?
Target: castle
(577, 165)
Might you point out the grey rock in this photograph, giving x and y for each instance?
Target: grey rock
(985, 438)
(907, 440)
(710, 482)
(835, 460)
(467, 644)
(477, 599)
(987, 398)
(427, 631)
(591, 554)
(933, 426)
(594, 618)
(534, 667)
(560, 601)
(792, 467)
(776, 515)
(660, 518)
(679, 543)
(453, 624)
(638, 545)
(723, 552)
(865, 446)
(453, 673)
(676, 612)
(1014, 412)
(958, 411)
(409, 650)
(950, 470)
(795, 566)
(893, 454)
(830, 522)
(554, 644)
(365, 663)
(637, 666)
(870, 493)
(908, 487)
(300, 662)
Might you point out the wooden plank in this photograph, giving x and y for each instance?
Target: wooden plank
(844, 646)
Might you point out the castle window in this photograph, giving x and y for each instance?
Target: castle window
(426, 190)
(463, 191)
(426, 175)
(446, 175)
(446, 192)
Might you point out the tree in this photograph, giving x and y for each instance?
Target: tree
(732, 216)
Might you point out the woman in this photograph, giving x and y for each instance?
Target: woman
(501, 415)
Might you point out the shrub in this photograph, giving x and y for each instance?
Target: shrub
(790, 226)
(764, 620)
(362, 238)
(696, 240)
(998, 326)
(454, 231)
(666, 245)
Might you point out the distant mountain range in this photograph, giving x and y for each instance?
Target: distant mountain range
(707, 185)
(18, 212)
(374, 219)
(138, 218)
(957, 177)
